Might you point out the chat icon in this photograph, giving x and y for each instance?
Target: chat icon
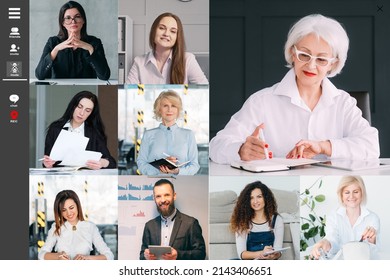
(14, 98)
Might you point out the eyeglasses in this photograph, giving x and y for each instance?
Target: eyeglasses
(69, 19)
(320, 60)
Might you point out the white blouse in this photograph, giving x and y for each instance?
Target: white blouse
(74, 242)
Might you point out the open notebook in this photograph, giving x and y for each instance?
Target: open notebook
(274, 164)
(168, 163)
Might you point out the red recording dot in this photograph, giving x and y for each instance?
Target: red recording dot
(14, 114)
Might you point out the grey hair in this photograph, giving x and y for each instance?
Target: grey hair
(326, 28)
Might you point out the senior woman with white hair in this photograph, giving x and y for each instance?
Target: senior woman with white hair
(352, 221)
(304, 115)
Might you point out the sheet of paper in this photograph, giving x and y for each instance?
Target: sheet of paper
(80, 158)
(68, 143)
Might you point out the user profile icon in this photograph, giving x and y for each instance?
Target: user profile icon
(14, 48)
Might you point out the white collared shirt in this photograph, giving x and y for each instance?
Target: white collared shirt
(145, 71)
(166, 228)
(287, 120)
(79, 129)
(74, 242)
(340, 231)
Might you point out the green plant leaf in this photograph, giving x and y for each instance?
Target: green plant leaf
(319, 186)
(313, 205)
(322, 231)
(304, 247)
(312, 217)
(307, 191)
(320, 198)
(304, 201)
(312, 232)
(305, 226)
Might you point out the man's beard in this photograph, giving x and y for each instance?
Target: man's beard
(167, 212)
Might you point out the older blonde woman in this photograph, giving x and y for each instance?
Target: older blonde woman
(352, 221)
(168, 140)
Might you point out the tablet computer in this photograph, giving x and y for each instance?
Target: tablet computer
(276, 250)
(158, 251)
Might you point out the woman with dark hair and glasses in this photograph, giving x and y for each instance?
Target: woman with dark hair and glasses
(304, 115)
(73, 53)
(81, 116)
(71, 237)
(258, 227)
(168, 62)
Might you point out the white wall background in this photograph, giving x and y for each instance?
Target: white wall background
(191, 199)
(194, 16)
(378, 192)
(102, 22)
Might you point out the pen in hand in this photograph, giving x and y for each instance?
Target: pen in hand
(170, 157)
(262, 138)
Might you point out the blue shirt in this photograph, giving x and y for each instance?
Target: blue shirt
(174, 141)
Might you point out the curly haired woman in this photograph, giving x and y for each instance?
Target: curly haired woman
(257, 224)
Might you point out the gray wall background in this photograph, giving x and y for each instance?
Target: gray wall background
(102, 22)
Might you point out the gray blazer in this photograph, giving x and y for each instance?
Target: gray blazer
(186, 237)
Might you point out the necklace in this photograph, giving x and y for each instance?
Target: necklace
(74, 228)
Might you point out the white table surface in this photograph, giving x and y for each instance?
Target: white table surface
(226, 170)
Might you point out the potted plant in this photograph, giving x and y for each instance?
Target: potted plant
(312, 224)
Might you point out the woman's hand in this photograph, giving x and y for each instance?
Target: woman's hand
(369, 234)
(165, 169)
(68, 43)
(253, 148)
(322, 245)
(63, 256)
(72, 42)
(309, 149)
(77, 43)
(48, 162)
(80, 257)
(266, 249)
(97, 164)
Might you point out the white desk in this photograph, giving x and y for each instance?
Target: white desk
(73, 82)
(226, 170)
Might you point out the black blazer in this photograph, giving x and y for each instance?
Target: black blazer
(71, 63)
(186, 237)
(96, 143)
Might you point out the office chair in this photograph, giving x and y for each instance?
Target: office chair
(363, 102)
